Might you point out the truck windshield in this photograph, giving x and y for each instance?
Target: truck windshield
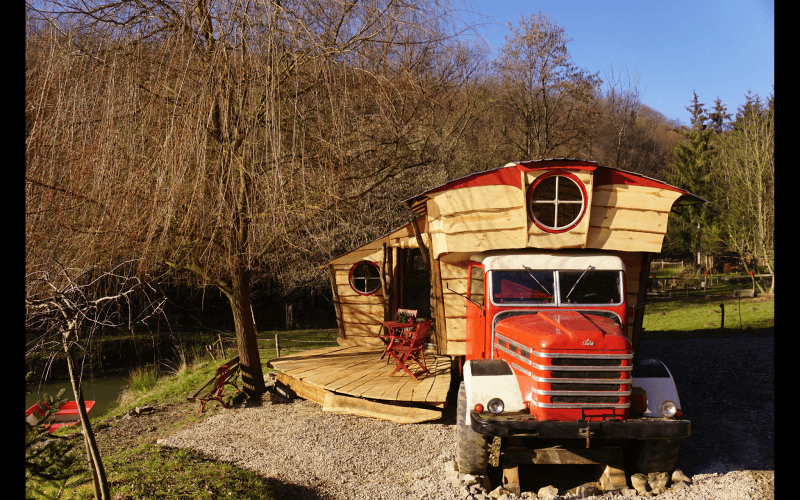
(529, 287)
(596, 287)
(538, 287)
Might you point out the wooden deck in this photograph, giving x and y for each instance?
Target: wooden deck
(334, 376)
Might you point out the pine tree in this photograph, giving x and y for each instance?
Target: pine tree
(693, 229)
(720, 118)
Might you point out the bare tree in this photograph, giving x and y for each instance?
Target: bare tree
(745, 181)
(65, 309)
(622, 103)
(212, 137)
(548, 101)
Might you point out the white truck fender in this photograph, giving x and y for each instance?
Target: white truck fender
(654, 377)
(486, 379)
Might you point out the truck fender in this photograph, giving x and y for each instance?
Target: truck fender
(486, 379)
(654, 377)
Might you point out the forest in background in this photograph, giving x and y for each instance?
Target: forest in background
(231, 148)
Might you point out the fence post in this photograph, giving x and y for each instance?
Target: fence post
(277, 347)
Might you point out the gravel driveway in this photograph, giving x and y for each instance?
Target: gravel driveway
(726, 390)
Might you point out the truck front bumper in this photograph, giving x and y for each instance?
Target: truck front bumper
(522, 424)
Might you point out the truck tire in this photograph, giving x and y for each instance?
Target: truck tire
(472, 448)
(657, 455)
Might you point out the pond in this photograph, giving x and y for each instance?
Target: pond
(104, 391)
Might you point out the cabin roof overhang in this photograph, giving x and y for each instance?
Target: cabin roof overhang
(509, 175)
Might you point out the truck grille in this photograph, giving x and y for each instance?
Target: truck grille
(572, 380)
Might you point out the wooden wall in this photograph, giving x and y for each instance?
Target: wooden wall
(454, 277)
(476, 219)
(361, 315)
(625, 217)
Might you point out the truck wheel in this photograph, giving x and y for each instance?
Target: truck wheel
(657, 455)
(472, 448)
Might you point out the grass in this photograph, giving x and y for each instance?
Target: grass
(151, 471)
(146, 470)
(142, 378)
(700, 314)
(293, 341)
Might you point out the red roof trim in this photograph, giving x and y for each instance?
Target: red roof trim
(527, 166)
(606, 176)
(509, 176)
(505, 176)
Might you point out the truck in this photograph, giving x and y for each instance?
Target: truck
(535, 276)
(548, 366)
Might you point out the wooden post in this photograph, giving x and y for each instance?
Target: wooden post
(722, 318)
(277, 347)
(337, 305)
(511, 478)
(386, 282)
(421, 244)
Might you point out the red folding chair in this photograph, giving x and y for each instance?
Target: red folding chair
(404, 351)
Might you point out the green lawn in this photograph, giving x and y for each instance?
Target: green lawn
(706, 314)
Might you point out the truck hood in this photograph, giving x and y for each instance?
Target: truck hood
(564, 330)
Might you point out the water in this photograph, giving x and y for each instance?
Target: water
(104, 391)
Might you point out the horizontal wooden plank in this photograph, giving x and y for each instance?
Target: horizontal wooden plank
(453, 302)
(477, 241)
(302, 389)
(455, 349)
(634, 197)
(625, 219)
(473, 199)
(452, 271)
(537, 238)
(346, 293)
(350, 315)
(336, 403)
(373, 252)
(363, 308)
(485, 220)
(361, 330)
(456, 329)
(639, 241)
(454, 285)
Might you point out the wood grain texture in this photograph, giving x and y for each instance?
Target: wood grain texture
(622, 196)
(359, 372)
(336, 403)
(638, 241)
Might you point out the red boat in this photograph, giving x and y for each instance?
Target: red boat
(67, 414)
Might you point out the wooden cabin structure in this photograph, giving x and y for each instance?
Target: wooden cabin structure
(543, 204)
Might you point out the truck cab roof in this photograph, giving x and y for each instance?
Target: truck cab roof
(537, 259)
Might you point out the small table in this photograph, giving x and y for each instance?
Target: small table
(396, 329)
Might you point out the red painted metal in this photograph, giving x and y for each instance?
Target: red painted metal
(225, 376)
(405, 350)
(67, 415)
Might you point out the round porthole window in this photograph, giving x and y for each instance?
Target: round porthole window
(365, 277)
(556, 202)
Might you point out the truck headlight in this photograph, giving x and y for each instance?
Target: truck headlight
(668, 409)
(496, 406)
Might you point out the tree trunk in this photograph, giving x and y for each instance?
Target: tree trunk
(246, 339)
(101, 490)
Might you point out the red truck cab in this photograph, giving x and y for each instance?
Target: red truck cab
(547, 357)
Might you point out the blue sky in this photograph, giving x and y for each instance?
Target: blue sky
(716, 48)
